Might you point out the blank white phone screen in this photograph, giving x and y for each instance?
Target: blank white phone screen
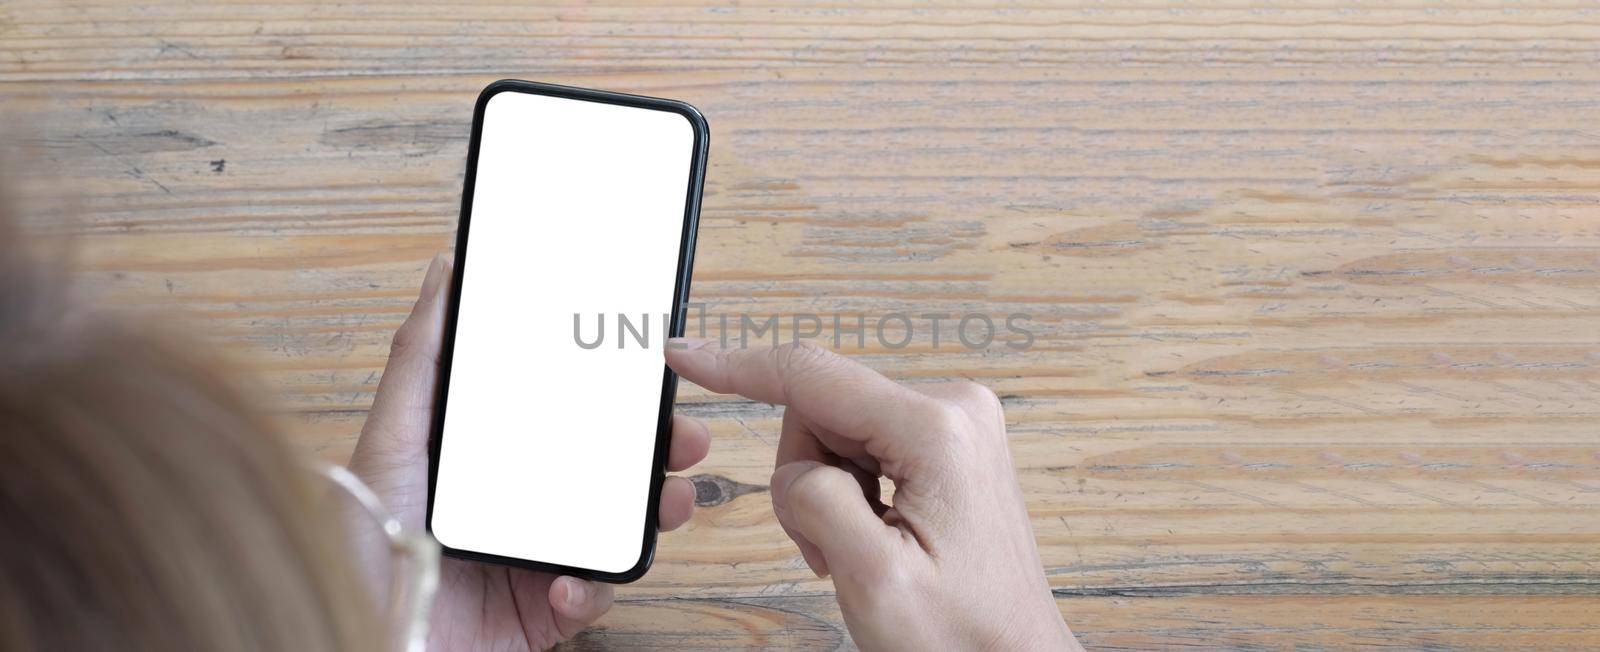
(547, 447)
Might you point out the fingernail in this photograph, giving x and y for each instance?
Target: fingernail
(686, 343)
(784, 476)
(432, 282)
(577, 593)
(446, 274)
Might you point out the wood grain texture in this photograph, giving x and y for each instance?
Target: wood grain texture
(1316, 289)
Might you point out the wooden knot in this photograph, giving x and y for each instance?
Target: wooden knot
(712, 490)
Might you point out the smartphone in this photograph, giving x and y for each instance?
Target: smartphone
(573, 256)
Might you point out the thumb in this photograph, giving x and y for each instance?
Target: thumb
(577, 604)
(397, 425)
(824, 505)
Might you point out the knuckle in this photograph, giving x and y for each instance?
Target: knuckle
(800, 355)
(966, 417)
(893, 578)
(946, 420)
(976, 395)
(404, 338)
(949, 416)
(974, 408)
(410, 343)
(800, 361)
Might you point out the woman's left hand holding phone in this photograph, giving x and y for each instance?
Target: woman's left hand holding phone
(482, 606)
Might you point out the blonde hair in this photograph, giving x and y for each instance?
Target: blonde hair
(145, 504)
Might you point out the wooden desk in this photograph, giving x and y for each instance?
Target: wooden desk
(1317, 291)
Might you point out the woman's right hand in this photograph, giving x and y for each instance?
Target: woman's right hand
(952, 564)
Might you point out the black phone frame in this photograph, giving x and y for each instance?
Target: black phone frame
(680, 296)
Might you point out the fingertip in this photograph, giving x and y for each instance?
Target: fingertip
(428, 311)
(682, 348)
(691, 441)
(565, 594)
(677, 503)
(435, 276)
(825, 505)
(784, 476)
(447, 273)
(578, 600)
(691, 357)
(686, 343)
